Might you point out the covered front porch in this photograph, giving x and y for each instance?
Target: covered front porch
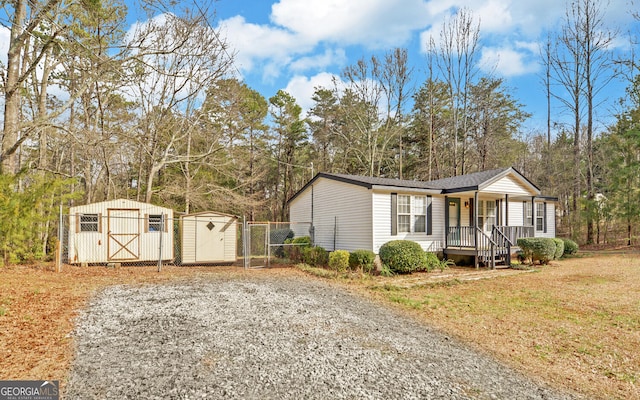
(486, 226)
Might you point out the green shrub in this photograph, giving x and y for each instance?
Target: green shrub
(570, 247)
(339, 260)
(433, 261)
(362, 260)
(294, 249)
(403, 256)
(559, 248)
(315, 256)
(538, 249)
(280, 236)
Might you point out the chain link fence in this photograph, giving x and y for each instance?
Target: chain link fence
(267, 243)
(189, 240)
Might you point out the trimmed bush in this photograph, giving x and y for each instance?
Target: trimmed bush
(559, 248)
(538, 249)
(294, 251)
(403, 256)
(315, 256)
(433, 261)
(362, 260)
(570, 247)
(339, 260)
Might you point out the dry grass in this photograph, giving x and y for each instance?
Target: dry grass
(575, 324)
(38, 306)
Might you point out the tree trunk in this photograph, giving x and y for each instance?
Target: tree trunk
(12, 92)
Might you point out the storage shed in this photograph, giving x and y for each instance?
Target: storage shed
(208, 237)
(120, 231)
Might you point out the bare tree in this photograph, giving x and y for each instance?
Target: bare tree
(456, 59)
(174, 58)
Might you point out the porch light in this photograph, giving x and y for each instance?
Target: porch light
(466, 204)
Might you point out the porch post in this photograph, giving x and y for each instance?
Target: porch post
(506, 209)
(446, 222)
(533, 214)
(475, 230)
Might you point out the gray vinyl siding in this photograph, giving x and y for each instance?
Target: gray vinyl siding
(507, 184)
(341, 214)
(550, 221)
(382, 226)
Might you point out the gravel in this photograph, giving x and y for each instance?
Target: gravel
(264, 337)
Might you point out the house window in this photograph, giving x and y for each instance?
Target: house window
(540, 216)
(412, 214)
(486, 214)
(155, 222)
(420, 214)
(89, 223)
(404, 213)
(527, 214)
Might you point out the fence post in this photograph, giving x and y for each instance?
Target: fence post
(60, 241)
(160, 246)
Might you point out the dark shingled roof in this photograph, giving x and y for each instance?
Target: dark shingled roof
(472, 180)
(454, 184)
(369, 181)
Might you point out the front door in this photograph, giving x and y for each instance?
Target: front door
(124, 234)
(454, 222)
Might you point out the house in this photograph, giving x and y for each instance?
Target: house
(118, 231)
(479, 215)
(208, 237)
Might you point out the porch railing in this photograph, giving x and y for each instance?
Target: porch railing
(513, 233)
(487, 247)
(465, 236)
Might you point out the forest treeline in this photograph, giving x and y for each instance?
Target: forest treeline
(94, 111)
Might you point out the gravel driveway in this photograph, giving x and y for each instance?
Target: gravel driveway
(266, 337)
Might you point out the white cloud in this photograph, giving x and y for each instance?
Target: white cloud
(372, 23)
(302, 87)
(507, 61)
(330, 57)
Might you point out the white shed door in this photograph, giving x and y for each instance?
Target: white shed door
(124, 234)
(209, 239)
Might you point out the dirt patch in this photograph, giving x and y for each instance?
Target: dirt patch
(38, 308)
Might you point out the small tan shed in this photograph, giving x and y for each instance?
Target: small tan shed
(208, 237)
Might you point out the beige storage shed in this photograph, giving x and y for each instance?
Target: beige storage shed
(208, 237)
(120, 230)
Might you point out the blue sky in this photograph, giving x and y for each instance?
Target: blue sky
(299, 44)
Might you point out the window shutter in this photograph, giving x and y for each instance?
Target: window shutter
(429, 215)
(165, 222)
(394, 214)
(77, 223)
(146, 223)
(99, 223)
(471, 208)
(544, 222)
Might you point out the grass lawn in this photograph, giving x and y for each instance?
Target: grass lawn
(575, 324)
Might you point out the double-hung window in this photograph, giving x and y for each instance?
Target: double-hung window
(486, 214)
(540, 216)
(411, 214)
(527, 213)
(404, 213)
(420, 214)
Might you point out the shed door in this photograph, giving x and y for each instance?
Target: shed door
(209, 239)
(124, 234)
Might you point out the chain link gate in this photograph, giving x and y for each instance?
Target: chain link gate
(265, 243)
